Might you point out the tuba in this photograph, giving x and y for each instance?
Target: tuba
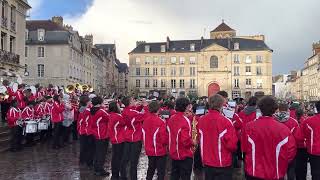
(85, 87)
(70, 88)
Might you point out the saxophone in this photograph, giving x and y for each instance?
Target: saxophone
(194, 132)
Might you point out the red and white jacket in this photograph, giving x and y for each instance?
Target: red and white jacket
(39, 111)
(56, 112)
(269, 147)
(27, 113)
(241, 119)
(99, 124)
(180, 139)
(13, 115)
(134, 121)
(294, 127)
(117, 127)
(48, 108)
(311, 131)
(155, 135)
(218, 139)
(20, 99)
(83, 125)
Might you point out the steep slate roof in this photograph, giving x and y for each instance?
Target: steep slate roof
(51, 37)
(222, 27)
(123, 67)
(184, 45)
(47, 25)
(106, 48)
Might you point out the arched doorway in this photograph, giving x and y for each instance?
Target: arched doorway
(213, 88)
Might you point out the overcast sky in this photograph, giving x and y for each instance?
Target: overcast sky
(290, 26)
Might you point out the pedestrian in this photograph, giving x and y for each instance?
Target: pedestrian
(117, 126)
(56, 119)
(268, 145)
(180, 141)
(5, 104)
(13, 117)
(302, 154)
(100, 119)
(68, 119)
(311, 131)
(155, 138)
(218, 140)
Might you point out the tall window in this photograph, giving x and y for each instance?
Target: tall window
(12, 44)
(248, 69)
(137, 83)
(147, 60)
(236, 59)
(181, 70)
(40, 70)
(259, 71)
(155, 71)
(40, 51)
(173, 71)
(162, 60)
(3, 40)
(173, 83)
(248, 59)
(147, 71)
(13, 18)
(236, 83)
(147, 83)
(163, 83)
(138, 71)
(182, 59)
(155, 60)
(138, 60)
(192, 83)
(214, 62)
(173, 60)
(26, 51)
(41, 34)
(248, 82)
(192, 60)
(163, 71)
(26, 34)
(236, 70)
(3, 9)
(181, 83)
(155, 83)
(259, 59)
(192, 71)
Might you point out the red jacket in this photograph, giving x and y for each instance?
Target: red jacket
(269, 146)
(20, 99)
(180, 140)
(134, 121)
(13, 115)
(311, 131)
(99, 124)
(39, 111)
(56, 112)
(117, 127)
(155, 135)
(83, 125)
(218, 139)
(294, 127)
(241, 119)
(48, 108)
(302, 142)
(27, 113)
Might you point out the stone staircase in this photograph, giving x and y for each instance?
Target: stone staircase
(4, 137)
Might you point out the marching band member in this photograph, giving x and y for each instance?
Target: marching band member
(218, 140)
(180, 141)
(133, 118)
(99, 127)
(267, 144)
(28, 114)
(20, 96)
(56, 119)
(155, 138)
(247, 115)
(302, 154)
(87, 144)
(117, 127)
(68, 119)
(311, 131)
(5, 105)
(14, 114)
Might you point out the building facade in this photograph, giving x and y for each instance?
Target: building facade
(241, 65)
(12, 29)
(56, 54)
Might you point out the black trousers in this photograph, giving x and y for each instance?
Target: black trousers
(213, 173)
(301, 164)
(315, 167)
(131, 153)
(16, 138)
(253, 178)
(87, 149)
(117, 160)
(4, 109)
(197, 164)
(57, 134)
(66, 131)
(100, 154)
(74, 130)
(181, 169)
(291, 174)
(156, 163)
(30, 139)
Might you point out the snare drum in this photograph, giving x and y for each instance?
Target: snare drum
(31, 127)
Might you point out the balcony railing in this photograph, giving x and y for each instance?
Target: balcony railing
(8, 57)
(13, 26)
(4, 22)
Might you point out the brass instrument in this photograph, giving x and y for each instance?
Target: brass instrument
(85, 87)
(70, 89)
(194, 131)
(90, 88)
(78, 86)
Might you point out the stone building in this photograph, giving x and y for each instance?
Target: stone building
(241, 65)
(12, 29)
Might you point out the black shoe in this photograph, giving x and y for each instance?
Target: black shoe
(101, 173)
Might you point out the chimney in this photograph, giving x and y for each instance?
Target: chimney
(168, 42)
(58, 20)
(202, 41)
(316, 48)
(89, 39)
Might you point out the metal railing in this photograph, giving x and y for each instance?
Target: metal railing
(9, 57)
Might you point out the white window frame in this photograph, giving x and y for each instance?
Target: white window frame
(163, 48)
(41, 51)
(40, 70)
(173, 60)
(182, 60)
(192, 60)
(192, 47)
(41, 34)
(147, 48)
(248, 59)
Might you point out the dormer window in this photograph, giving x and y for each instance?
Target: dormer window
(41, 34)
(236, 46)
(163, 48)
(192, 47)
(147, 48)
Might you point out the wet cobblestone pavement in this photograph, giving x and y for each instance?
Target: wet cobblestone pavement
(43, 163)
